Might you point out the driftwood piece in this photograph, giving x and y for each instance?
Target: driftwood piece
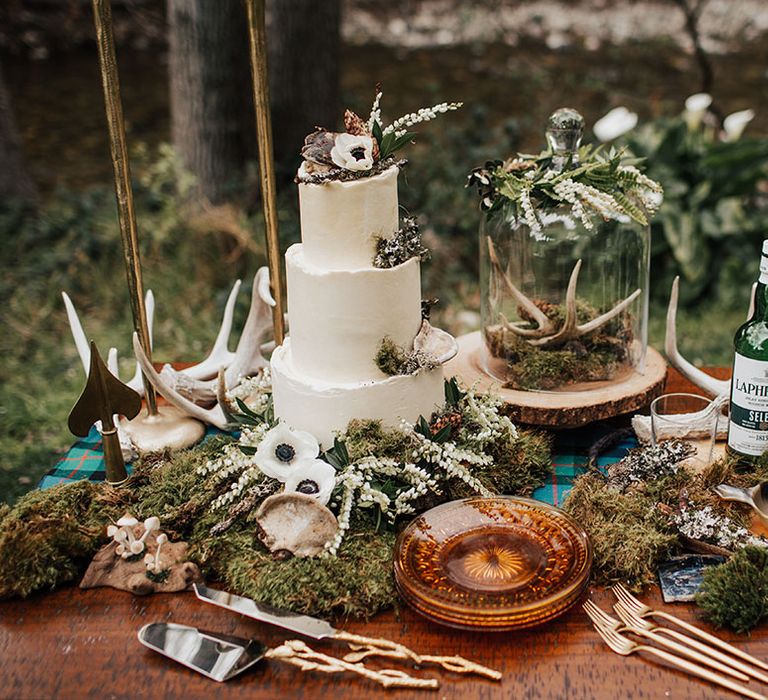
(109, 569)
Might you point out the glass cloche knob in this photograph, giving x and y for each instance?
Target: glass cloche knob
(564, 130)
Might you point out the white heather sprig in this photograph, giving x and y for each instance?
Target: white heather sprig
(425, 114)
(375, 111)
(487, 424)
(528, 212)
(578, 195)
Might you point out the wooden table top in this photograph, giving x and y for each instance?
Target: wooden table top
(82, 644)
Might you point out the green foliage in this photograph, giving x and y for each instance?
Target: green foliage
(526, 182)
(72, 243)
(368, 438)
(715, 209)
(735, 594)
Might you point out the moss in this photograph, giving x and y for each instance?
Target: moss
(49, 536)
(629, 534)
(735, 594)
(366, 438)
(594, 357)
(518, 467)
(390, 357)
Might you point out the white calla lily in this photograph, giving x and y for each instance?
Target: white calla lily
(312, 477)
(615, 123)
(734, 124)
(695, 108)
(282, 448)
(353, 152)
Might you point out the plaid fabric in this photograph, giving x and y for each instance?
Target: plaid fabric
(85, 460)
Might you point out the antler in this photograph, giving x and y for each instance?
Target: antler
(247, 359)
(545, 335)
(705, 382)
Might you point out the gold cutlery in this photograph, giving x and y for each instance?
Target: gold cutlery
(642, 610)
(625, 647)
(632, 620)
(603, 619)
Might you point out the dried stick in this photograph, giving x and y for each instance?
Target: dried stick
(365, 647)
(297, 653)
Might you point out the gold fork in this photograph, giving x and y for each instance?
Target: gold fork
(603, 619)
(632, 620)
(625, 647)
(642, 610)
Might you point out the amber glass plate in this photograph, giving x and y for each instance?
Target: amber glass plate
(497, 563)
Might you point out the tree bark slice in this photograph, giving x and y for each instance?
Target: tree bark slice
(561, 409)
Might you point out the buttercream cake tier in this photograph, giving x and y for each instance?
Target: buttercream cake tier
(340, 220)
(338, 318)
(323, 408)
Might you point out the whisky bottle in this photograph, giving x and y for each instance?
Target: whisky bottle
(748, 423)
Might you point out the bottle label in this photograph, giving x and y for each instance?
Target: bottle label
(763, 270)
(748, 424)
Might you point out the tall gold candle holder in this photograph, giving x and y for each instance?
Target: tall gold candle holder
(255, 10)
(162, 426)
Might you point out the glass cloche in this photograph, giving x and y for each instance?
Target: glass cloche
(564, 252)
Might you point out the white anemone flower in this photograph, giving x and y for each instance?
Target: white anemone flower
(695, 108)
(282, 448)
(312, 477)
(353, 152)
(734, 124)
(615, 123)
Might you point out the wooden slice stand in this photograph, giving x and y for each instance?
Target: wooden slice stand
(561, 409)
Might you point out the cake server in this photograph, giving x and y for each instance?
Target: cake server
(362, 647)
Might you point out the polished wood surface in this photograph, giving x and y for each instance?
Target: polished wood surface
(82, 644)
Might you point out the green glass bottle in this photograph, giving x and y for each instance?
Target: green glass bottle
(748, 423)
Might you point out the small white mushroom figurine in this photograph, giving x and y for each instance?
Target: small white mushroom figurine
(122, 532)
(153, 561)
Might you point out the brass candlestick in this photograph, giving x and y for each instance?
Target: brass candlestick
(258, 53)
(102, 17)
(165, 426)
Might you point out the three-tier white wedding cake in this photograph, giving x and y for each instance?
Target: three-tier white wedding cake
(340, 308)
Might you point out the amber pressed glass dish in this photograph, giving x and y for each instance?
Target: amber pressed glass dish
(496, 563)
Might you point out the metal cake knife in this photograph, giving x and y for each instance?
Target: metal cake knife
(363, 647)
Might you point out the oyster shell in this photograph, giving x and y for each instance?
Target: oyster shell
(296, 523)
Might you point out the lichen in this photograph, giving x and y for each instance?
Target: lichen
(735, 594)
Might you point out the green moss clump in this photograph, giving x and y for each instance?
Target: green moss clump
(367, 438)
(50, 536)
(390, 357)
(629, 534)
(735, 594)
(518, 466)
(356, 583)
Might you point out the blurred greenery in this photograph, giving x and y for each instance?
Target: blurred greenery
(192, 255)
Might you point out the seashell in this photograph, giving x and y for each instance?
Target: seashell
(317, 147)
(295, 522)
(435, 343)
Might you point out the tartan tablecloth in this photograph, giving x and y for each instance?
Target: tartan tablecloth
(85, 460)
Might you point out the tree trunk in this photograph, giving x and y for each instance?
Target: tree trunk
(15, 180)
(211, 112)
(304, 46)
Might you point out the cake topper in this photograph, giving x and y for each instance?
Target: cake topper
(365, 147)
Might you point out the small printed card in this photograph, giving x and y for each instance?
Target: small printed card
(681, 577)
